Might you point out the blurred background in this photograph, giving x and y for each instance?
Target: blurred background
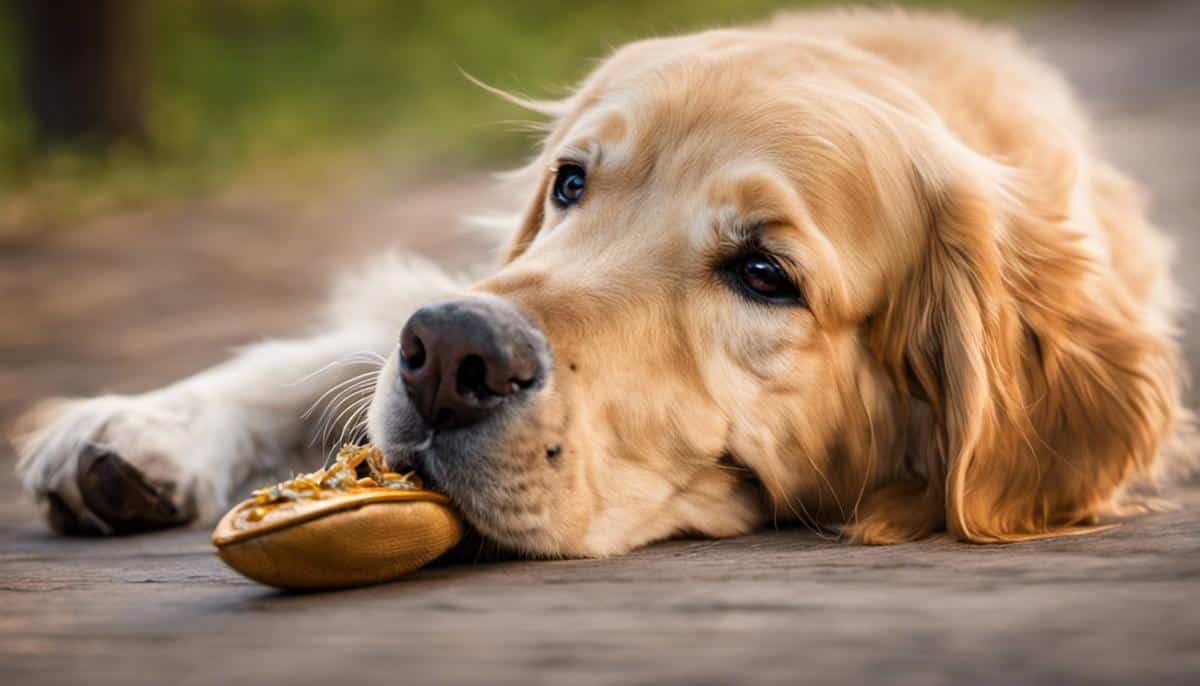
(180, 177)
(112, 104)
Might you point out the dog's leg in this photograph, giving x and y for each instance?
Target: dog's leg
(119, 464)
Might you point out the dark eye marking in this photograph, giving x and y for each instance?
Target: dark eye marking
(758, 276)
(570, 180)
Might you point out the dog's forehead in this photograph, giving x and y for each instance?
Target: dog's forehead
(684, 121)
(696, 121)
(706, 141)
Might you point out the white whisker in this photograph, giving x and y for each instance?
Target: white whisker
(351, 408)
(343, 399)
(371, 375)
(347, 395)
(361, 357)
(329, 415)
(360, 408)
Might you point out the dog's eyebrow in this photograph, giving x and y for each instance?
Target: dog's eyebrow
(758, 210)
(763, 198)
(737, 232)
(745, 200)
(584, 151)
(613, 127)
(591, 137)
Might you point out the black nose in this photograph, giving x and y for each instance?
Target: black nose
(461, 360)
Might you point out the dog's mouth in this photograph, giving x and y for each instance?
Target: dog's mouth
(419, 459)
(478, 467)
(475, 545)
(414, 458)
(428, 480)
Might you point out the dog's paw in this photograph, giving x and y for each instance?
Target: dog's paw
(117, 464)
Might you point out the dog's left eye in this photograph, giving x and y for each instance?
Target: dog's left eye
(569, 183)
(762, 278)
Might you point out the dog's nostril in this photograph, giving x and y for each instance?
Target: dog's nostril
(471, 378)
(412, 355)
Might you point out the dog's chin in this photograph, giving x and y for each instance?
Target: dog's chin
(427, 458)
(475, 546)
(473, 466)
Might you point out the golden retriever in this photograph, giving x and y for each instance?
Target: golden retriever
(864, 270)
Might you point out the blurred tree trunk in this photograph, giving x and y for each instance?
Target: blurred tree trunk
(85, 68)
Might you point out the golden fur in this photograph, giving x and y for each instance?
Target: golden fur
(987, 347)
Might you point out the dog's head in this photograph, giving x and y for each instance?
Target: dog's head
(756, 278)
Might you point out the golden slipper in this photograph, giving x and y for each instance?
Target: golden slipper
(332, 529)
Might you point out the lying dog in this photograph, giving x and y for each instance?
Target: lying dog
(862, 270)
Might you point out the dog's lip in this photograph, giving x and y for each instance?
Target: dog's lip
(406, 458)
(409, 460)
(427, 480)
(418, 463)
(475, 546)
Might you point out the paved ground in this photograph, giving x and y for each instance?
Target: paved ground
(185, 284)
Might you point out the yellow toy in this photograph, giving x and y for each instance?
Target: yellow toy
(332, 529)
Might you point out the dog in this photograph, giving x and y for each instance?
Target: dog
(859, 270)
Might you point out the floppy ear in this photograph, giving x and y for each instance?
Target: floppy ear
(1047, 388)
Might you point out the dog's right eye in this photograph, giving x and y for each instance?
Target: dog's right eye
(569, 182)
(760, 277)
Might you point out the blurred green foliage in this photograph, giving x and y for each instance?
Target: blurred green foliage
(296, 88)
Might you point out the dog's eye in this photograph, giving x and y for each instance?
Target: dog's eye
(762, 278)
(569, 183)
